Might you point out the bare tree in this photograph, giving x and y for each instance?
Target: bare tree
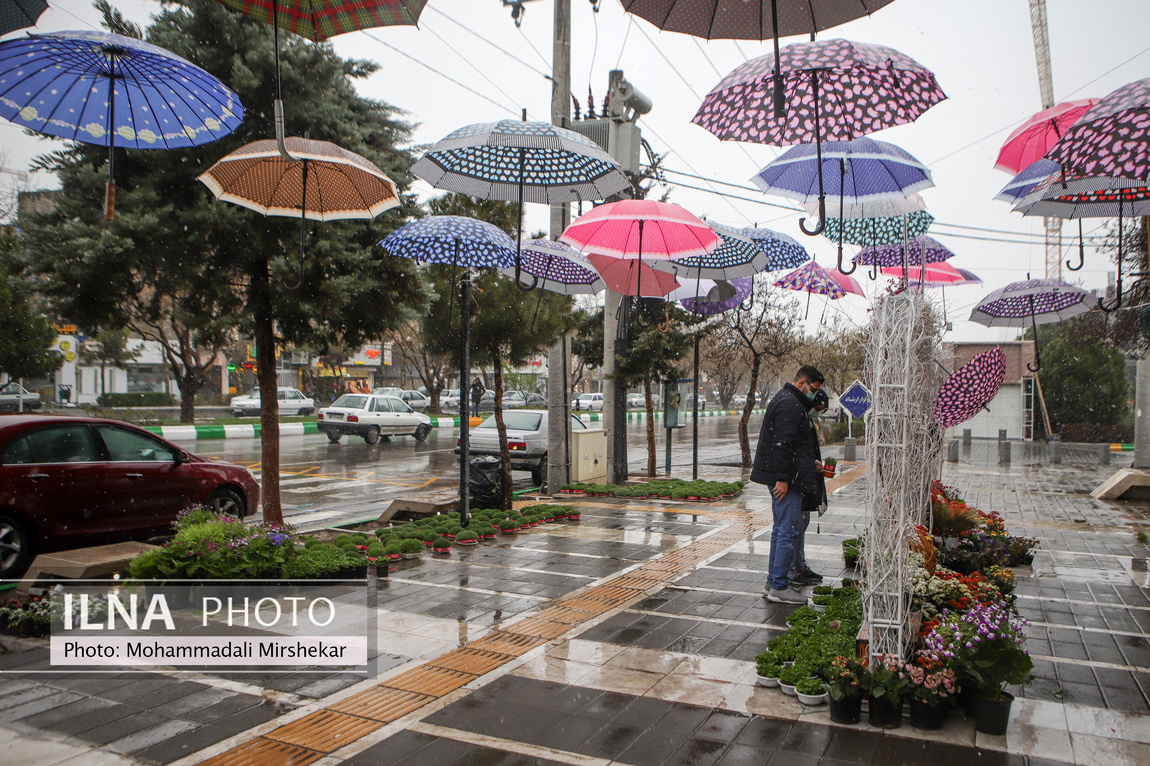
(837, 351)
(433, 369)
(726, 364)
(767, 331)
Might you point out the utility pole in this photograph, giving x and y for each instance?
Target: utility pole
(558, 357)
(1038, 29)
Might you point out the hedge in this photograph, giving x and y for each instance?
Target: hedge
(144, 399)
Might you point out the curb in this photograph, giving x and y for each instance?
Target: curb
(252, 430)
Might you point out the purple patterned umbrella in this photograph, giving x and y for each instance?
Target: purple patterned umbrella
(912, 255)
(710, 305)
(970, 388)
(1023, 183)
(1112, 139)
(813, 278)
(1033, 302)
(838, 90)
(557, 267)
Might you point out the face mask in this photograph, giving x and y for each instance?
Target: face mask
(810, 394)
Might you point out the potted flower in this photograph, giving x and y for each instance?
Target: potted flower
(490, 532)
(573, 514)
(392, 550)
(985, 647)
(886, 683)
(851, 550)
(931, 691)
(829, 465)
(820, 603)
(410, 548)
(767, 668)
(441, 545)
(466, 537)
(1021, 550)
(508, 527)
(844, 684)
(811, 691)
(790, 676)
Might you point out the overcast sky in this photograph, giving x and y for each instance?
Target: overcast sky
(478, 67)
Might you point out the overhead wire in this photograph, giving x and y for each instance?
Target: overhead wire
(627, 34)
(469, 63)
(488, 41)
(441, 74)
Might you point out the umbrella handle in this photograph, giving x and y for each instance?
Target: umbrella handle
(854, 266)
(1118, 287)
(451, 295)
(667, 324)
(819, 158)
(1081, 251)
(822, 208)
(1034, 323)
(780, 99)
(873, 271)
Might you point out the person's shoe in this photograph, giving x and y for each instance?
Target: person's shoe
(799, 587)
(785, 596)
(806, 576)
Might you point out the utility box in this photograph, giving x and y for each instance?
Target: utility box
(589, 456)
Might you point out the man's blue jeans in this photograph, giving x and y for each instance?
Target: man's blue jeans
(800, 559)
(787, 530)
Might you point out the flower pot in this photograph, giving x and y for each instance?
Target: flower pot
(467, 542)
(409, 556)
(509, 531)
(441, 550)
(846, 710)
(811, 699)
(851, 562)
(884, 714)
(574, 517)
(767, 681)
(787, 689)
(992, 715)
(491, 536)
(927, 717)
(829, 473)
(816, 607)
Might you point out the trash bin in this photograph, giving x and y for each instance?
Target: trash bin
(486, 477)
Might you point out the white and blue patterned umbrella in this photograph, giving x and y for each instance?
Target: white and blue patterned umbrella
(738, 255)
(782, 251)
(557, 267)
(61, 84)
(513, 160)
(1024, 183)
(452, 240)
(856, 171)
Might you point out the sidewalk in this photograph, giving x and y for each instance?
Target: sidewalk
(628, 638)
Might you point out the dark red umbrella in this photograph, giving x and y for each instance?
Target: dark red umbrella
(970, 388)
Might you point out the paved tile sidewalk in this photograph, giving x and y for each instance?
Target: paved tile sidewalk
(644, 659)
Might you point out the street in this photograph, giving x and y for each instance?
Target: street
(326, 484)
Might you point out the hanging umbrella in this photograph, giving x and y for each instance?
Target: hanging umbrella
(860, 171)
(722, 300)
(813, 278)
(638, 228)
(557, 267)
(632, 276)
(1112, 139)
(869, 232)
(1023, 183)
(59, 84)
(938, 274)
(969, 278)
(1033, 302)
(782, 250)
(1031, 140)
(517, 160)
(458, 241)
(849, 284)
(702, 290)
(20, 14)
(737, 255)
(839, 91)
(914, 253)
(970, 388)
(1078, 197)
(322, 182)
(878, 208)
(318, 20)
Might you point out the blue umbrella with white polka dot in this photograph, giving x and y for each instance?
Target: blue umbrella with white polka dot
(61, 84)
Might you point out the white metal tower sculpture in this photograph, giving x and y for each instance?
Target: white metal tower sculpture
(904, 454)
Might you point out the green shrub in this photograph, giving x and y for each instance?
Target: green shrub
(410, 546)
(142, 399)
(441, 542)
(508, 524)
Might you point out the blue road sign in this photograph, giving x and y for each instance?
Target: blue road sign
(855, 400)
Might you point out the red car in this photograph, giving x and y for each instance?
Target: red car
(68, 482)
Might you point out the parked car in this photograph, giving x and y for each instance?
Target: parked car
(11, 394)
(636, 401)
(387, 391)
(291, 401)
(526, 440)
(486, 402)
(372, 417)
(416, 400)
(449, 399)
(536, 400)
(67, 482)
(590, 402)
(512, 400)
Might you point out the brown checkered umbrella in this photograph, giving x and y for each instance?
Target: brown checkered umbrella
(325, 180)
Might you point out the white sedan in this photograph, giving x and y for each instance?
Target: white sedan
(372, 417)
(292, 401)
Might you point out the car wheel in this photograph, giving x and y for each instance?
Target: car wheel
(334, 437)
(304, 411)
(226, 501)
(372, 435)
(539, 474)
(421, 432)
(15, 547)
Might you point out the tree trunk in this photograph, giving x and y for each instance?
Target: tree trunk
(264, 332)
(651, 456)
(189, 385)
(744, 440)
(504, 452)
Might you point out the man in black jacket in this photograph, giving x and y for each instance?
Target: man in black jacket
(785, 461)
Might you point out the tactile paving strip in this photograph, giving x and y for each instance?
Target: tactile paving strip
(308, 739)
